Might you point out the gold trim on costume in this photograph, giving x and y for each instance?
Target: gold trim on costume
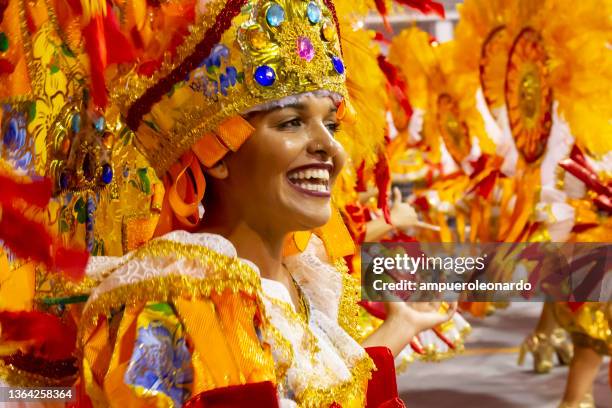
(20, 378)
(348, 307)
(222, 272)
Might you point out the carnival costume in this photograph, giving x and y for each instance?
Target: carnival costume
(179, 320)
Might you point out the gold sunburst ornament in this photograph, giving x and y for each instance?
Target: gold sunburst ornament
(453, 130)
(529, 95)
(492, 66)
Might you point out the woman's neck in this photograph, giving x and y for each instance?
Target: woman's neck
(255, 242)
(264, 250)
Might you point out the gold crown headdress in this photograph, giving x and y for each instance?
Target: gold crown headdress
(233, 56)
(237, 55)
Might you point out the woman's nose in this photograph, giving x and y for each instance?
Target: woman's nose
(322, 143)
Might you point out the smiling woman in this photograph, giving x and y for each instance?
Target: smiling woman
(289, 162)
(235, 105)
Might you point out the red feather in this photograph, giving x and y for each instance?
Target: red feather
(44, 334)
(424, 6)
(398, 85)
(36, 193)
(382, 175)
(28, 238)
(25, 238)
(381, 6)
(71, 262)
(105, 45)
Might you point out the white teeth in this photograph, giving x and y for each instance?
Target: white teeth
(313, 187)
(311, 179)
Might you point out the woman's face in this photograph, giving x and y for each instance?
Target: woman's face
(283, 174)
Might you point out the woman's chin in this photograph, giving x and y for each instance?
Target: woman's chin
(310, 218)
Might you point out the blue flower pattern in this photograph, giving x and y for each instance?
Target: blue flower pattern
(14, 138)
(216, 77)
(161, 363)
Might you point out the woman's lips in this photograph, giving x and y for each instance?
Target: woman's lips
(313, 179)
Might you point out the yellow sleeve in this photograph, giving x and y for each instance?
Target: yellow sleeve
(169, 322)
(160, 354)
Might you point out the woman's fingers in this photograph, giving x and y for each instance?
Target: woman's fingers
(397, 195)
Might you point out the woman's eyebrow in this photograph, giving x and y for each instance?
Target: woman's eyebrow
(297, 106)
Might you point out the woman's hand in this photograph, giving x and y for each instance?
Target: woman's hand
(365, 196)
(403, 215)
(419, 315)
(406, 320)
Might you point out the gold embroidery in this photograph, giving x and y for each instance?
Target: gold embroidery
(132, 86)
(222, 272)
(20, 378)
(348, 307)
(433, 354)
(286, 352)
(353, 390)
(310, 341)
(348, 391)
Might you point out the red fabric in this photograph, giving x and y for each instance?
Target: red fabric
(382, 388)
(43, 333)
(82, 400)
(376, 309)
(260, 395)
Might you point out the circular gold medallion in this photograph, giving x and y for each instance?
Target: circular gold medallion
(492, 66)
(454, 131)
(529, 95)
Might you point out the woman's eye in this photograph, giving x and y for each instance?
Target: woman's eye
(333, 127)
(293, 123)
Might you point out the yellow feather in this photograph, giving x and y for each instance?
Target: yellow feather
(577, 38)
(367, 93)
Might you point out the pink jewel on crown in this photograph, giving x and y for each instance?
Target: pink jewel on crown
(305, 49)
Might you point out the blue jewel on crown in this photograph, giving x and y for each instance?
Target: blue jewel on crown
(313, 12)
(275, 15)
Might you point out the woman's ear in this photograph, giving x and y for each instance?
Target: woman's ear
(219, 170)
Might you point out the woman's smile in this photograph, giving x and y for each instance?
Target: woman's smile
(312, 179)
